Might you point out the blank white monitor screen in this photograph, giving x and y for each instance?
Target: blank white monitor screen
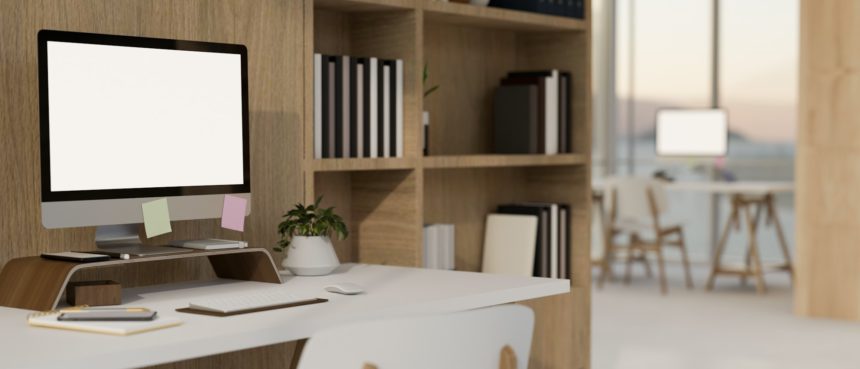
(692, 132)
(130, 117)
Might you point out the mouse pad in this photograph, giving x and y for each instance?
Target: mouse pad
(248, 311)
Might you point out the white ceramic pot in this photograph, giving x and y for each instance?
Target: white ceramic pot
(309, 256)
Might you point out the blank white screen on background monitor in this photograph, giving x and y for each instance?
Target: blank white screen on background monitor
(692, 132)
(128, 117)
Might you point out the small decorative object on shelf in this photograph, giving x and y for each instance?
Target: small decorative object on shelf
(305, 237)
(425, 118)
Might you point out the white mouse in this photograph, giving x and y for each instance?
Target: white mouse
(344, 288)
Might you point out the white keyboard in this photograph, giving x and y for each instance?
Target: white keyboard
(237, 302)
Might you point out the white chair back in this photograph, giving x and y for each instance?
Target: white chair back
(631, 193)
(472, 339)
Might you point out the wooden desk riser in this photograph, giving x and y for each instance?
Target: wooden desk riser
(36, 283)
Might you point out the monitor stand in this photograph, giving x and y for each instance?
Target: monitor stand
(116, 240)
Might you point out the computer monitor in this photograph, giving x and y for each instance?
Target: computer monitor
(692, 132)
(126, 120)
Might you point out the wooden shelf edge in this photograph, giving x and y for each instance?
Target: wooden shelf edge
(501, 160)
(498, 17)
(358, 6)
(359, 164)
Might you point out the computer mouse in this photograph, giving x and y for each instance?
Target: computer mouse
(344, 288)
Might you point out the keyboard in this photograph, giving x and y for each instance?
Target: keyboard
(246, 301)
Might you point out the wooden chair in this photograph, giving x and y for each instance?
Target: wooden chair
(493, 338)
(637, 205)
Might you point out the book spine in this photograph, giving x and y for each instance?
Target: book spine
(331, 116)
(339, 104)
(386, 110)
(373, 119)
(353, 116)
(318, 118)
(398, 105)
(346, 123)
(360, 107)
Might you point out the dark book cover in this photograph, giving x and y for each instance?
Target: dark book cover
(392, 106)
(564, 241)
(564, 117)
(380, 133)
(366, 108)
(578, 9)
(540, 82)
(353, 108)
(541, 262)
(324, 74)
(515, 119)
(338, 107)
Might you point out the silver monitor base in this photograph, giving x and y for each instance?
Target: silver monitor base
(124, 239)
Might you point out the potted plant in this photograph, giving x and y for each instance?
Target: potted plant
(305, 238)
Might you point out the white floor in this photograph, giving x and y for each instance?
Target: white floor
(732, 327)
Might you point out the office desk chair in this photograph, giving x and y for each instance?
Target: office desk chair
(493, 338)
(636, 206)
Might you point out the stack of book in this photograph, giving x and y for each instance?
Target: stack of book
(358, 107)
(552, 246)
(564, 8)
(439, 246)
(531, 113)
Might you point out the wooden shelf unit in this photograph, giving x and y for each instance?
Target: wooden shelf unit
(387, 201)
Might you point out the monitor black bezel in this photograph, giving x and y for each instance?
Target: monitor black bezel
(44, 36)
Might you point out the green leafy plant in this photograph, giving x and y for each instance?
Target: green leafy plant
(309, 221)
(430, 90)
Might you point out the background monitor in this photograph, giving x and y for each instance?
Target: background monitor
(125, 120)
(694, 132)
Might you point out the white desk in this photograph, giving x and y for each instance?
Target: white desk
(750, 201)
(390, 292)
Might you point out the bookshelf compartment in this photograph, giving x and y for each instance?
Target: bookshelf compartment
(468, 63)
(370, 29)
(380, 209)
(464, 197)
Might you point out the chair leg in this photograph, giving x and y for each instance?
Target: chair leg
(685, 260)
(628, 265)
(661, 267)
(647, 265)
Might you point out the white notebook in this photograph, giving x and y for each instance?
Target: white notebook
(49, 320)
(209, 244)
(509, 244)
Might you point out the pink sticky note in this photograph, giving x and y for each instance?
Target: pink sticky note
(233, 215)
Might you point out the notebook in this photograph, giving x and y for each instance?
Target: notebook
(49, 320)
(509, 244)
(209, 244)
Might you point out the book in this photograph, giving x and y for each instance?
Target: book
(318, 118)
(119, 328)
(564, 113)
(337, 133)
(386, 111)
(373, 108)
(541, 244)
(551, 104)
(330, 107)
(398, 108)
(344, 124)
(541, 84)
(360, 107)
(380, 109)
(209, 244)
(564, 241)
(553, 237)
(352, 126)
(509, 244)
(515, 119)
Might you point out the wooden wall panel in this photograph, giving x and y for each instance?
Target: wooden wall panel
(273, 31)
(827, 283)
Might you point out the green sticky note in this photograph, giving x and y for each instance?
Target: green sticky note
(156, 218)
